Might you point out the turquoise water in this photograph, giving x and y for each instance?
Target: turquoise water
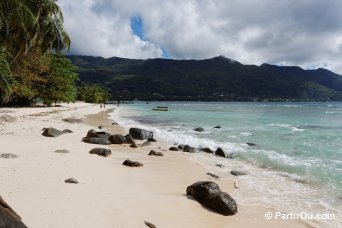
(302, 141)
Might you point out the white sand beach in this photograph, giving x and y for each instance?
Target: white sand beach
(108, 194)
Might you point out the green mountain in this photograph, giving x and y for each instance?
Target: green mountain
(218, 78)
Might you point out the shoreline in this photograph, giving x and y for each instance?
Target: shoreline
(108, 194)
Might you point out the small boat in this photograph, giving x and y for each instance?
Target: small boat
(159, 108)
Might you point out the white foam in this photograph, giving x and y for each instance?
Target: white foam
(246, 134)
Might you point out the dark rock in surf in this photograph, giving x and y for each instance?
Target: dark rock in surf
(132, 163)
(207, 150)
(220, 165)
(217, 127)
(251, 144)
(221, 153)
(140, 134)
(189, 149)
(181, 146)
(209, 195)
(199, 129)
(101, 152)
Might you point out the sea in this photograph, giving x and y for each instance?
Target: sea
(294, 166)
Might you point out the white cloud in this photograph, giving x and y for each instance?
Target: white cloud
(304, 33)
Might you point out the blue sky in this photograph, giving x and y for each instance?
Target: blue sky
(137, 26)
(291, 32)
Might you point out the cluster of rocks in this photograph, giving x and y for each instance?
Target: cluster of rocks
(210, 195)
(105, 138)
(186, 148)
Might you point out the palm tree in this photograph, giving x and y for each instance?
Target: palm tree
(30, 24)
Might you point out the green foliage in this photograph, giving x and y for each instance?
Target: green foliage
(61, 78)
(30, 24)
(29, 31)
(30, 72)
(7, 81)
(92, 93)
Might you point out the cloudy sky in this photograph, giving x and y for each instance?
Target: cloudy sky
(307, 33)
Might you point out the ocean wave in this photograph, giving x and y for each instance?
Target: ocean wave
(246, 134)
(293, 128)
(180, 135)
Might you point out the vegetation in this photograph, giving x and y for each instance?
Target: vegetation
(92, 93)
(216, 79)
(31, 66)
(61, 77)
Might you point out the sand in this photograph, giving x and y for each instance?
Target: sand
(108, 194)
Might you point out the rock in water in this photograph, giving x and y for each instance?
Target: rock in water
(238, 173)
(209, 195)
(155, 153)
(140, 134)
(71, 181)
(181, 146)
(53, 132)
(199, 129)
(101, 152)
(115, 123)
(8, 217)
(95, 140)
(251, 144)
(207, 150)
(220, 165)
(149, 224)
(189, 149)
(132, 163)
(217, 127)
(213, 175)
(173, 148)
(221, 153)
